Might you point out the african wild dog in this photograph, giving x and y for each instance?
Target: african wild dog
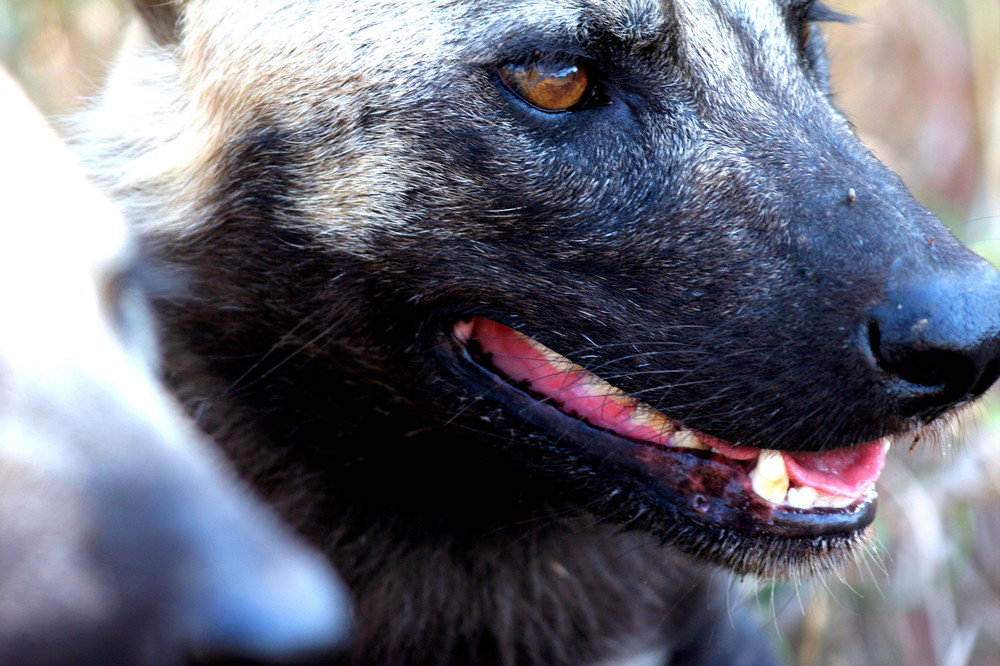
(529, 312)
(121, 539)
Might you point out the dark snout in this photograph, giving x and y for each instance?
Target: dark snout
(936, 334)
(925, 308)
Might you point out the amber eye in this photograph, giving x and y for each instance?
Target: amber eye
(551, 88)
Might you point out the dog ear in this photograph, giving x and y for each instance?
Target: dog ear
(161, 17)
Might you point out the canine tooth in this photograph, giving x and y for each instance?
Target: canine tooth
(686, 439)
(770, 478)
(802, 497)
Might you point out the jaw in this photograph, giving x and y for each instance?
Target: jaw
(763, 511)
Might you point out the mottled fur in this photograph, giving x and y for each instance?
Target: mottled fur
(338, 183)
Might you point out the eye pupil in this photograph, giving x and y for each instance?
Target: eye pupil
(548, 88)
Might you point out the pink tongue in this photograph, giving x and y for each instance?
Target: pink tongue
(847, 472)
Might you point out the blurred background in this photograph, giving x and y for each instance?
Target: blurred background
(921, 81)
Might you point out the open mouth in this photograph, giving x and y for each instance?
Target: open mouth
(787, 493)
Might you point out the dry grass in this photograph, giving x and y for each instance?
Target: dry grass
(921, 80)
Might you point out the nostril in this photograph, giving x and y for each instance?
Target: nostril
(934, 337)
(938, 345)
(990, 374)
(946, 371)
(919, 364)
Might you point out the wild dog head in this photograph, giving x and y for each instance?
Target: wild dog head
(122, 539)
(631, 244)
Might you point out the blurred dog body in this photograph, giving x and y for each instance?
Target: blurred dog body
(123, 538)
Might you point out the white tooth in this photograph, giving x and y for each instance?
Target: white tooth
(832, 501)
(770, 478)
(686, 439)
(802, 497)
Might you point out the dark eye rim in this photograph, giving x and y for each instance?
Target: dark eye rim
(816, 11)
(594, 95)
(803, 17)
(804, 13)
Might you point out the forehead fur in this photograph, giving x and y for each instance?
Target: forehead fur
(257, 49)
(318, 76)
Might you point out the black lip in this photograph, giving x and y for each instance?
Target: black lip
(700, 487)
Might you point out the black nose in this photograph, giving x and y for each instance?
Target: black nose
(937, 336)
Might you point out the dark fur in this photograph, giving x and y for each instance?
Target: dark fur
(714, 242)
